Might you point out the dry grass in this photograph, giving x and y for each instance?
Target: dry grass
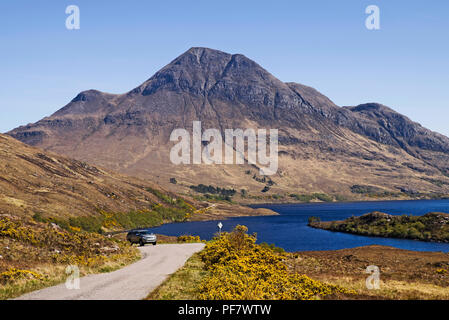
(403, 274)
(183, 284)
(391, 289)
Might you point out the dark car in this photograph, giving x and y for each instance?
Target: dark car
(141, 237)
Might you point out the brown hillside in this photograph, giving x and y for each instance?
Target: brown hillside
(33, 181)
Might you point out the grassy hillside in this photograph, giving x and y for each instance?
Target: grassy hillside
(71, 193)
(51, 188)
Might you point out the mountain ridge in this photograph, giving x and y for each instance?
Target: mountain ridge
(130, 132)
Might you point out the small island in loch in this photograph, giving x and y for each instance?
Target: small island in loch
(433, 226)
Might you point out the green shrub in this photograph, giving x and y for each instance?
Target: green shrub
(309, 197)
(214, 193)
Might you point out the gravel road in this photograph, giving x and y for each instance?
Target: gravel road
(133, 282)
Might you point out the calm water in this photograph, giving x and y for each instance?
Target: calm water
(289, 229)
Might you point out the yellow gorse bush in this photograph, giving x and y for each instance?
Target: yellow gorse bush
(441, 271)
(241, 269)
(14, 230)
(188, 239)
(14, 274)
(57, 245)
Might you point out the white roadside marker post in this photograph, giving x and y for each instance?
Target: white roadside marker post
(220, 225)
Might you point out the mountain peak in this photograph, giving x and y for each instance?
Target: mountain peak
(199, 69)
(200, 56)
(202, 50)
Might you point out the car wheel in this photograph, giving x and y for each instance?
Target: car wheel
(154, 243)
(141, 243)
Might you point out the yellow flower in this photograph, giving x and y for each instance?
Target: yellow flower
(241, 269)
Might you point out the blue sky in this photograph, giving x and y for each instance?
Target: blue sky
(324, 44)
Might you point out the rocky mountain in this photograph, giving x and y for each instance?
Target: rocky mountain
(323, 148)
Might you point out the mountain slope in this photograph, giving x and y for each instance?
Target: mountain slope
(323, 147)
(49, 186)
(33, 181)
